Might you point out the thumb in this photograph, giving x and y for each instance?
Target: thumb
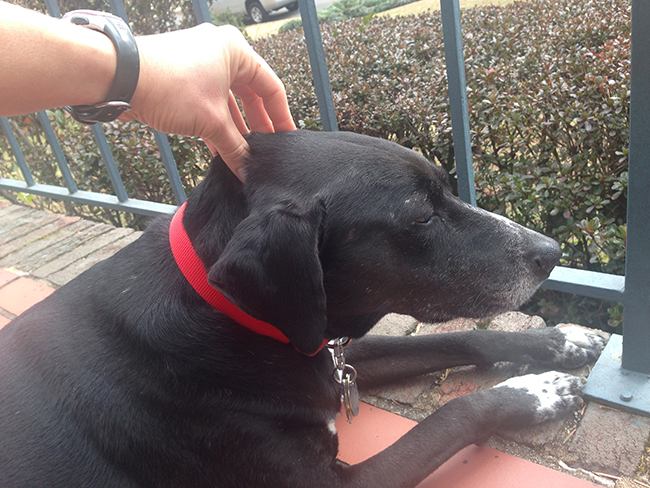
(232, 147)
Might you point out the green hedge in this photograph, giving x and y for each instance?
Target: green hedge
(548, 94)
(145, 16)
(548, 88)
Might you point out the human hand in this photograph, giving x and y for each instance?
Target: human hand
(186, 86)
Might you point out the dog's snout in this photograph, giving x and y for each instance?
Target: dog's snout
(545, 254)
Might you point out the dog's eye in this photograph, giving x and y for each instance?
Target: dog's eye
(425, 218)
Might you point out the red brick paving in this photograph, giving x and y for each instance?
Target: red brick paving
(6, 277)
(19, 294)
(4, 321)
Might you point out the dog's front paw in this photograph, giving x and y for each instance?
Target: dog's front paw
(537, 398)
(566, 347)
(581, 346)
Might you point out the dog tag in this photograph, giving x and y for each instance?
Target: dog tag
(350, 397)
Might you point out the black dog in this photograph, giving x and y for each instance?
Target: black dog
(128, 376)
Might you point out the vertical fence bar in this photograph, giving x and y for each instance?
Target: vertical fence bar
(318, 65)
(621, 376)
(636, 322)
(54, 11)
(170, 166)
(201, 11)
(117, 7)
(452, 33)
(52, 8)
(57, 151)
(18, 152)
(109, 163)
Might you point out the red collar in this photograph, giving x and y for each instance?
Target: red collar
(194, 271)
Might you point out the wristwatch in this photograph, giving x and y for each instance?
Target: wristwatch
(126, 74)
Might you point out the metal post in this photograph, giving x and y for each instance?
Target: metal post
(636, 324)
(109, 163)
(621, 377)
(170, 166)
(57, 151)
(318, 65)
(452, 33)
(201, 11)
(18, 152)
(52, 8)
(117, 7)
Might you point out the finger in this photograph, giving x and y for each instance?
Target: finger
(236, 115)
(211, 147)
(255, 110)
(278, 111)
(262, 80)
(231, 146)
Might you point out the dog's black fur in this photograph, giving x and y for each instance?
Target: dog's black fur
(125, 377)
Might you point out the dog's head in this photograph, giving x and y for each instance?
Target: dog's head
(338, 229)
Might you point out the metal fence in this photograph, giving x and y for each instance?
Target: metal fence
(622, 375)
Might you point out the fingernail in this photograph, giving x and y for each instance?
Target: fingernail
(241, 173)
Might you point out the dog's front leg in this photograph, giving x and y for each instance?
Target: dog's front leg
(380, 360)
(523, 400)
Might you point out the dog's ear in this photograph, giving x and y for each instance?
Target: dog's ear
(271, 270)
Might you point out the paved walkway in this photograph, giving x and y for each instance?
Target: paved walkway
(599, 446)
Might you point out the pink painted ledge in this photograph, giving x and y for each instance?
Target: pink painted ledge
(473, 467)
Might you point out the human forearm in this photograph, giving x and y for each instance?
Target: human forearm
(47, 63)
(187, 83)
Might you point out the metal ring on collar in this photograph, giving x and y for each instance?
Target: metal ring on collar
(127, 71)
(352, 373)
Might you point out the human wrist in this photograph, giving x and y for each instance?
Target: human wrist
(53, 63)
(96, 60)
(127, 66)
(160, 77)
(140, 92)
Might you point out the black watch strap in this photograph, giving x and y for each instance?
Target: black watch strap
(126, 73)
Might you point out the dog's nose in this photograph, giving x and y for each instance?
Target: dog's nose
(545, 254)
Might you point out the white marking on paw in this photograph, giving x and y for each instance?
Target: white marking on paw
(539, 386)
(582, 337)
(580, 345)
(554, 392)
